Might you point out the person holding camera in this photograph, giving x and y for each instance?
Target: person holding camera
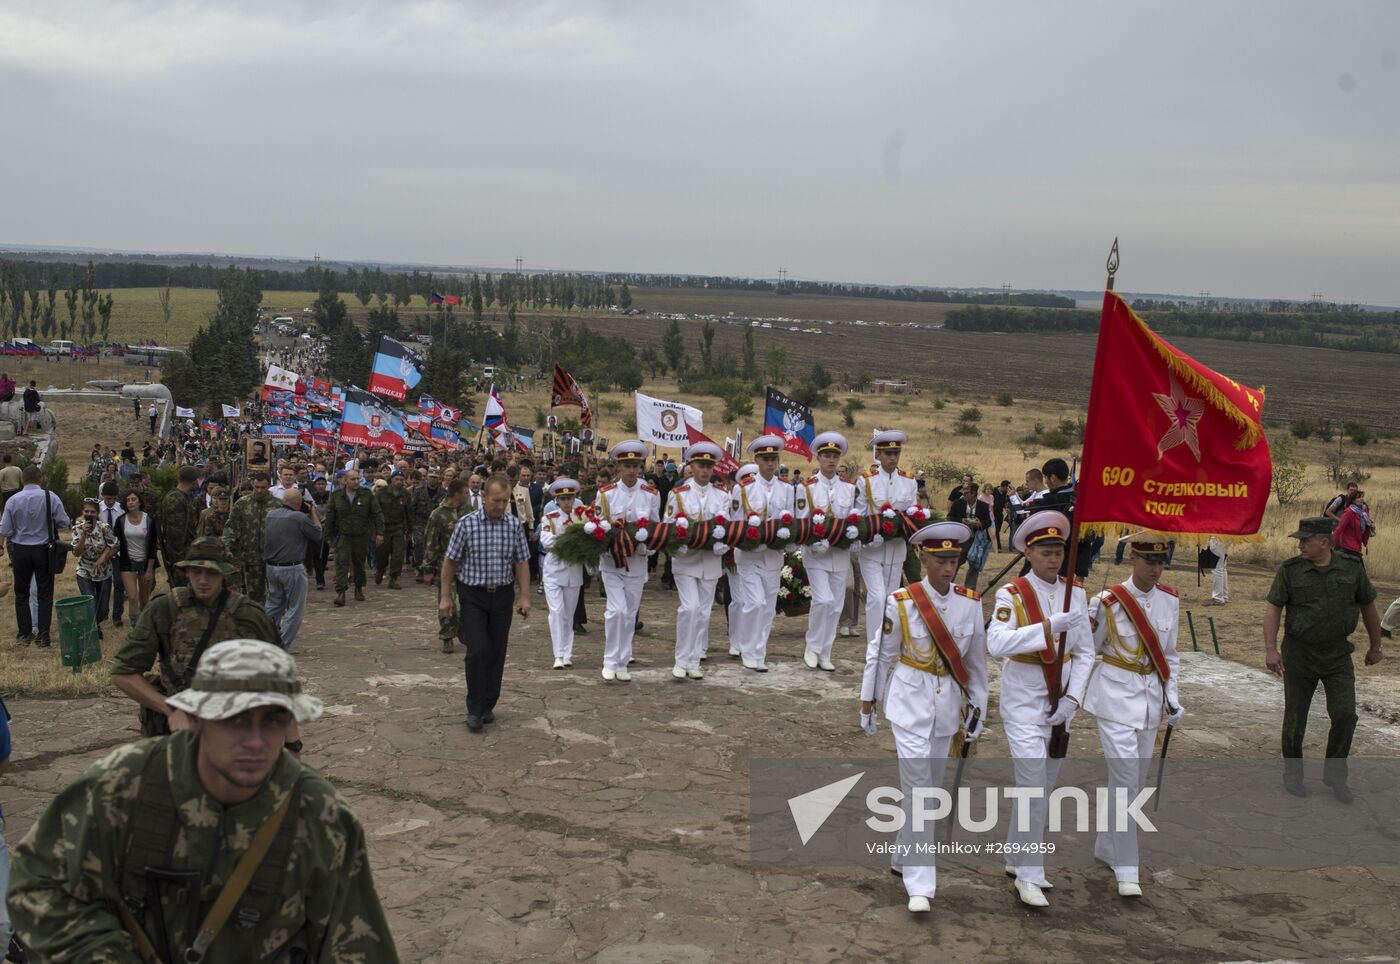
(95, 545)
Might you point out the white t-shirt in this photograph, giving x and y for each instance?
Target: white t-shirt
(136, 537)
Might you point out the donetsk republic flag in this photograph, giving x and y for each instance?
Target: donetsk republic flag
(397, 368)
(1169, 444)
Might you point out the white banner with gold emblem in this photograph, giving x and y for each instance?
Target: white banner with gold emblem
(662, 423)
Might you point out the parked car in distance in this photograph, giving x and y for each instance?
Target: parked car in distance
(59, 346)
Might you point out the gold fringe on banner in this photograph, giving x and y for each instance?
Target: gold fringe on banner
(1252, 430)
(1114, 530)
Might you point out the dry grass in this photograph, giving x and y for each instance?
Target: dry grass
(30, 671)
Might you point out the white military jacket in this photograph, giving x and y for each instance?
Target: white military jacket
(767, 499)
(700, 504)
(1132, 696)
(835, 498)
(876, 487)
(618, 503)
(930, 703)
(554, 570)
(1014, 639)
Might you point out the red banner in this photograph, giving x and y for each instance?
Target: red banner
(726, 466)
(1169, 444)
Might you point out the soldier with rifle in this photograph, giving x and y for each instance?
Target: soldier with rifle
(1133, 686)
(928, 666)
(1041, 685)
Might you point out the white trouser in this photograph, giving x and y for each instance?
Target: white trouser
(561, 601)
(921, 764)
(697, 597)
(1220, 582)
(1029, 744)
(759, 588)
(624, 588)
(1390, 622)
(880, 569)
(828, 597)
(1128, 753)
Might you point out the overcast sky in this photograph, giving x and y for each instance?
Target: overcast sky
(1242, 148)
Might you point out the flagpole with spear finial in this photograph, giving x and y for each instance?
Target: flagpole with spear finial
(1059, 735)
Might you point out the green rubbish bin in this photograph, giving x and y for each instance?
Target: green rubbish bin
(78, 643)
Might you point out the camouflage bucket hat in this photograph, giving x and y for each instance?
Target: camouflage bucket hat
(240, 674)
(207, 552)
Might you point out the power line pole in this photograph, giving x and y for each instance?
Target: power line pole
(1006, 291)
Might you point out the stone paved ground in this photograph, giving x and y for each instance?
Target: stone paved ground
(607, 822)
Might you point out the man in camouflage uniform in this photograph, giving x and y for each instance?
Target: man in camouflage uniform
(352, 519)
(179, 522)
(435, 538)
(396, 510)
(126, 860)
(213, 519)
(1318, 596)
(171, 627)
(244, 535)
(426, 498)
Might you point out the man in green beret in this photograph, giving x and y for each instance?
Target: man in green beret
(177, 627)
(213, 844)
(1318, 596)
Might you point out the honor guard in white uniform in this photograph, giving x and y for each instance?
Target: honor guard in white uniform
(763, 496)
(1133, 686)
(735, 611)
(882, 560)
(831, 499)
(626, 500)
(1024, 632)
(696, 572)
(562, 581)
(928, 666)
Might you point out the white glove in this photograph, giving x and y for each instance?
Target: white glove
(1175, 717)
(719, 548)
(1065, 622)
(820, 547)
(1064, 712)
(682, 550)
(876, 540)
(971, 729)
(869, 721)
(790, 547)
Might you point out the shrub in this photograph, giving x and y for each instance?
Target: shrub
(737, 406)
(1054, 439)
(1302, 427)
(1005, 399)
(945, 470)
(967, 428)
(629, 423)
(973, 414)
(938, 404)
(1358, 433)
(1325, 431)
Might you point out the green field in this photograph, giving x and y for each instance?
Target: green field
(136, 311)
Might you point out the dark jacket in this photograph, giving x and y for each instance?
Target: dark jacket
(152, 542)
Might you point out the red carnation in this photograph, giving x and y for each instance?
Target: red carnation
(819, 531)
(751, 533)
(886, 507)
(787, 518)
(887, 527)
(852, 519)
(643, 523)
(720, 520)
(599, 534)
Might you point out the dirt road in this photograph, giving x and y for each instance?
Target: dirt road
(608, 822)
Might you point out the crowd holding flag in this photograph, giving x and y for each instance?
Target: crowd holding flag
(397, 369)
(567, 391)
(792, 420)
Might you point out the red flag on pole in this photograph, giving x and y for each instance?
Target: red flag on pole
(567, 391)
(726, 466)
(1169, 444)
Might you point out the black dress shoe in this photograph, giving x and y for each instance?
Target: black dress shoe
(42, 640)
(1295, 786)
(1340, 790)
(488, 717)
(474, 723)
(580, 631)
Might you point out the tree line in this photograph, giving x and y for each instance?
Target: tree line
(31, 310)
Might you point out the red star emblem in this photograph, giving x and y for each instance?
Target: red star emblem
(1185, 412)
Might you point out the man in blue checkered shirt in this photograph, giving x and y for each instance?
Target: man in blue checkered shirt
(488, 565)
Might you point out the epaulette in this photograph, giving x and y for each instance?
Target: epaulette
(556, 514)
(1079, 583)
(809, 480)
(647, 487)
(1167, 589)
(683, 487)
(907, 474)
(969, 593)
(609, 487)
(747, 479)
(901, 594)
(870, 473)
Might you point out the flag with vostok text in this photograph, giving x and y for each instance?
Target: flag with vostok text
(663, 423)
(1169, 444)
(792, 420)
